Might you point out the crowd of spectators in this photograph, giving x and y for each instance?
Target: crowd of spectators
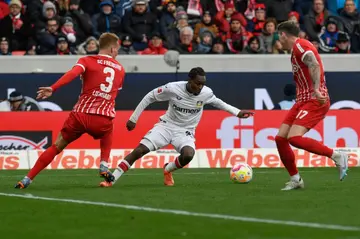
(151, 27)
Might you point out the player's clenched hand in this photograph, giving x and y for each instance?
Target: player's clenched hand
(245, 114)
(130, 125)
(44, 92)
(320, 97)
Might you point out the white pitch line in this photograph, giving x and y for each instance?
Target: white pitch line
(157, 173)
(188, 213)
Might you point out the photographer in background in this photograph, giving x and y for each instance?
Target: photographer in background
(18, 102)
(289, 98)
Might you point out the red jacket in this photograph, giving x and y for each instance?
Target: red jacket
(151, 50)
(224, 25)
(4, 10)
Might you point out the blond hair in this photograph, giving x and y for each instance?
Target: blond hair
(107, 40)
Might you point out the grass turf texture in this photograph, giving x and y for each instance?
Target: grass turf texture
(325, 200)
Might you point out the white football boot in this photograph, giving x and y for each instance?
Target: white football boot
(294, 184)
(341, 162)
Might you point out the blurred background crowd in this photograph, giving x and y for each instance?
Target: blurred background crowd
(65, 27)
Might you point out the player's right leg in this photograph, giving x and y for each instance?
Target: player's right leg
(285, 151)
(72, 130)
(126, 164)
(288, 158)
(156, 138)
(44, 160)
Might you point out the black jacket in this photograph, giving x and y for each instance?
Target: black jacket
(138, 25)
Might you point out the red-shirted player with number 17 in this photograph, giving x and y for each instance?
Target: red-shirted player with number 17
(102, 77)
(312, 104)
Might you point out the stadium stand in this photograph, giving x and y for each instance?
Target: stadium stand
(151, 27)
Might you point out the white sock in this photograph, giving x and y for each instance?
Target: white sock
(296, 177)
(117, 174)
(28, 178)
(171, 167)
(104, 163)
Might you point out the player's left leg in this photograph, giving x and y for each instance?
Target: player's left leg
(105, 149)
(184, 143)
(186, 155)
(311, 114)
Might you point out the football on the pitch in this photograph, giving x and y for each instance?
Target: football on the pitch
(241, 173)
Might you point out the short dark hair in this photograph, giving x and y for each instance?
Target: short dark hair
(289, 27)
(195, 72)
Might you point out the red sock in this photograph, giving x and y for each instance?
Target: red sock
(105, 146)
(43, 161)
(286, 155)
(177, 163)
(124, 165)
(311, 145)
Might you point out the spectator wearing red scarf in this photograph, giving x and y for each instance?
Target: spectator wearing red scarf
(155, 46)
(223, 18)
(315, 20)
(16, 27)
(237, 38)
(256, 25)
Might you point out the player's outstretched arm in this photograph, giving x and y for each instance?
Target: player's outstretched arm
(218, 103)
(315, 74)
(68, 77)
(160, 94)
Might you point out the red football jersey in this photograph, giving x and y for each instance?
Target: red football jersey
(304, 83)
(102, 78)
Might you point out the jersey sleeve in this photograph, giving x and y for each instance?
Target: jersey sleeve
(163, 93)
(301, 49)
(82, 63)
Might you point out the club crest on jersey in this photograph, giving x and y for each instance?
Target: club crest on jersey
(199, 103)
(159, 90)
(295, 68)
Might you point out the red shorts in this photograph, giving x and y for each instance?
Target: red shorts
(98, 126)
(307, 114)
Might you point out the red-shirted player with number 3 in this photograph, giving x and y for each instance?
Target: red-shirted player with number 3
(102, 77)
(312, 104)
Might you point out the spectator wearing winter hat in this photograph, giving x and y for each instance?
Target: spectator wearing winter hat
(206, 23)
(218, 47)
(47, 38)
(279, 9)
(342, 44)
(67, 29)
(328, 36)
(4, 47)
(237, 38)
(267, 35)
(48, 12)
(223, 18)
(253, 46)
(126, 47)
(81, 21)
(89, 47)
(106, 20)
(256, 25)
(315, 19)
(140, 24)
(186, 44)
(295, 17)
(62, 46)
(155, 46)
(16, 27)
(168, 15)
(206, 39)
(173, 35)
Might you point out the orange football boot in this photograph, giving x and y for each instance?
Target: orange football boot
(106, 184)
(168, 178)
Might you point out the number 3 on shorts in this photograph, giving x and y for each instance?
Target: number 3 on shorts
(301, 114)
(109, 79)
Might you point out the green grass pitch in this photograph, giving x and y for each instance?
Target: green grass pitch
(325, 200)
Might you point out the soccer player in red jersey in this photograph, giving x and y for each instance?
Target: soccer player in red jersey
(312, 104)
(102, 77)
